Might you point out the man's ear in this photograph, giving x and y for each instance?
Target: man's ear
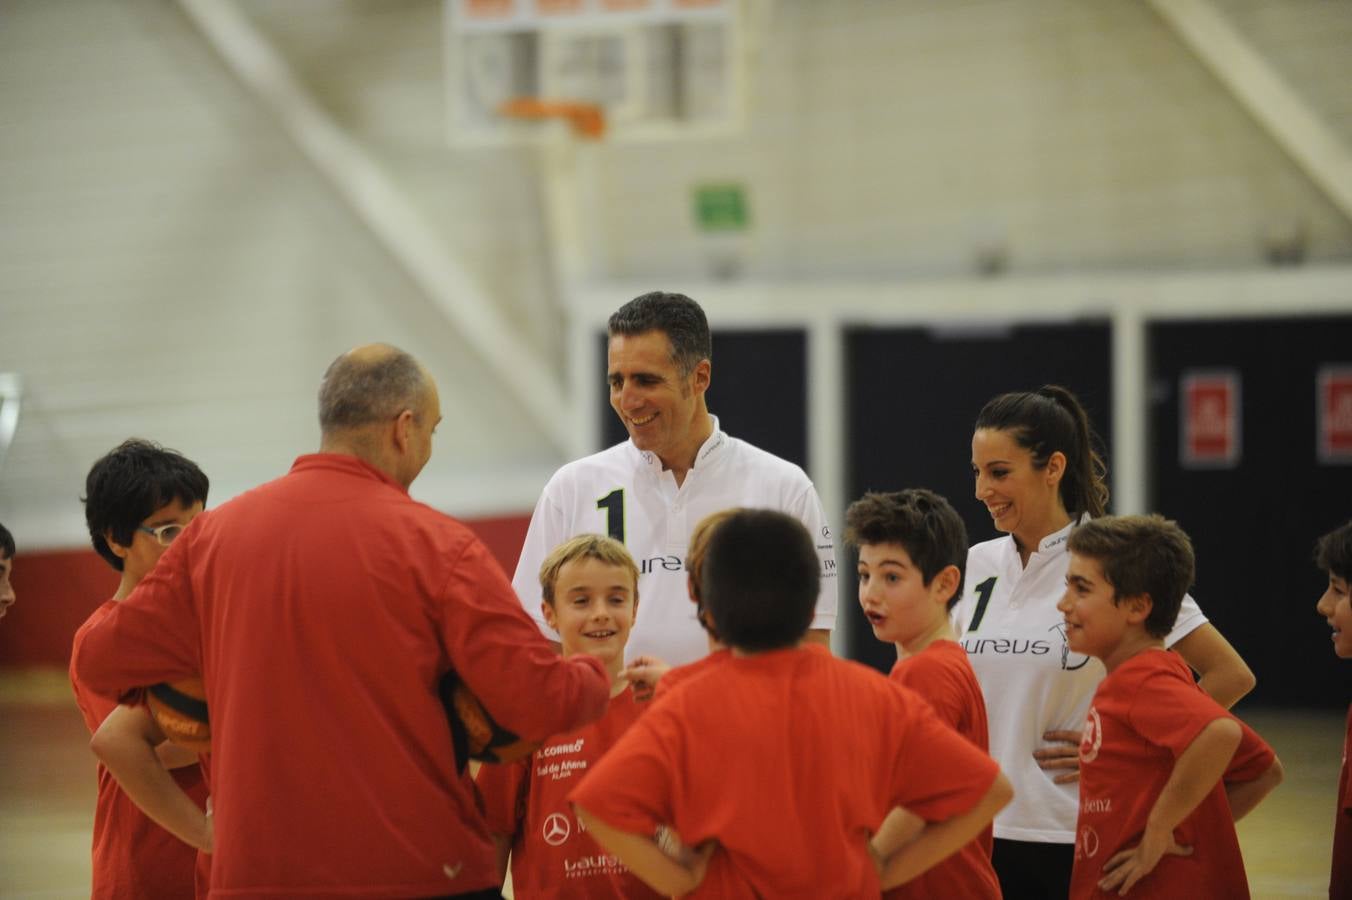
(701, 376)
(547, 610)
(403, 424)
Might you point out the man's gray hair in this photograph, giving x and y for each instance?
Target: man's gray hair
(676, 316)
(358, 390)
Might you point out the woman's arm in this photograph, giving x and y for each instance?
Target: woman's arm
(1224, 674)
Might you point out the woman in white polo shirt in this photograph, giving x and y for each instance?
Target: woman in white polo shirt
(1039, 474)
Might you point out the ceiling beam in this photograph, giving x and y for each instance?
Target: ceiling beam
(1265, 94)
(386, 212)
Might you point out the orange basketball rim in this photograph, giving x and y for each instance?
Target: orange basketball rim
(587, 120)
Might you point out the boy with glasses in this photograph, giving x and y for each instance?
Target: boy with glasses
(138, 499)
(6, 567)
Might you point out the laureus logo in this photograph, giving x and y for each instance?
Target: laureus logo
(1068, 662)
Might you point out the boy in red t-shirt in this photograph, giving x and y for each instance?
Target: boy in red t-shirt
(779, 764)
(138, 499)
(1165, 771)
(912, 549)
(6, 567)
(1333, 554)
(652, 676)
(589, 586)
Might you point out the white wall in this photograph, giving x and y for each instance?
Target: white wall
(172, 267)
(889, 138)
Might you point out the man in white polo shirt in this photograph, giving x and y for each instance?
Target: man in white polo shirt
(677, 467)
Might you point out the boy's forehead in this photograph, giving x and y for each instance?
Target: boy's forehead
(588, 571)
(886, 552)
(1085, 567)
(175, 509)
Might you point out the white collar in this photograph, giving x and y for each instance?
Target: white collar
(707, 451)
(1052, 543)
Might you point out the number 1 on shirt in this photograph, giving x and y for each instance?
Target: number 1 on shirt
(613, 504)
(983, 596)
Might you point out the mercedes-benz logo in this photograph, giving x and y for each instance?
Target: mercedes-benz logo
(556, 829)
(1087, 843)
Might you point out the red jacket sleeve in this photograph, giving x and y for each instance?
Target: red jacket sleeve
(152, 636)
(500, 654)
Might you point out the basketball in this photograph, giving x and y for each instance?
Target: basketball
(473, 732)
(180, 709)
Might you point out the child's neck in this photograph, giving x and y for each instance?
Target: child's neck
(126, 585)
(941, 630)
(742, 651)
(613, 668)
(1131, 644)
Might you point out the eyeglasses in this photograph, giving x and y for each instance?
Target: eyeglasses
(164, 535)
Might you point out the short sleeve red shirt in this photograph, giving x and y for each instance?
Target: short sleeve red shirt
(679, 675)
(942, 675)
(132, 856)
(1143, 716)
(790, 760)
(1340, 881)
(552, 857)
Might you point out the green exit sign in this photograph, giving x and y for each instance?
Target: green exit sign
(720, 207)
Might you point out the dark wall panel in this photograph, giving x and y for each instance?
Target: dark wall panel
(912, 396)
(758, 391)
(1253, 526)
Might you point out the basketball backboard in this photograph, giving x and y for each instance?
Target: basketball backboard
(658, 69)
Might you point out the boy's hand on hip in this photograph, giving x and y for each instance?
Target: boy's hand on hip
(1128, 867)
(699, 865)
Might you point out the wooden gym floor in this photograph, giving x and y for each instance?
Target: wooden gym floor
(47, 796)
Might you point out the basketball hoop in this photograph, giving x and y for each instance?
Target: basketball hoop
(587, 120)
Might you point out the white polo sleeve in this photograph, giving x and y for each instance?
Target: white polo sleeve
(548, 529)
(809, 511)
(1190, 618)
